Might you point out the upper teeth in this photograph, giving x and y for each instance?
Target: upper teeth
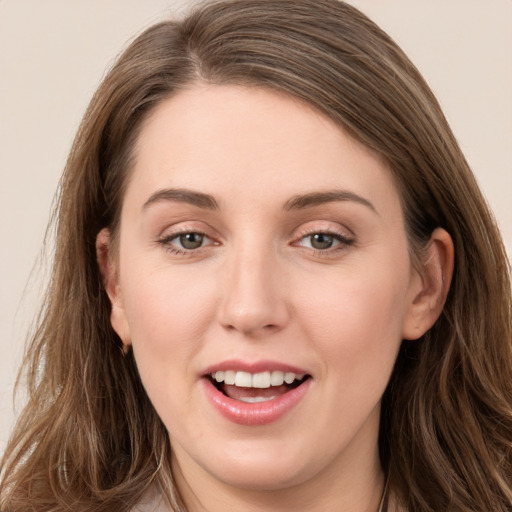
(256, 380)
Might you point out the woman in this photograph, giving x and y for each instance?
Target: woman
(276, 286)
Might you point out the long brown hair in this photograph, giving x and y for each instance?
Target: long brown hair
(90, 440)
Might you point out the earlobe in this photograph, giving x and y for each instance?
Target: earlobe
(430, 285)
(109, 274)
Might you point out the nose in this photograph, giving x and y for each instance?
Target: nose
(254, 294)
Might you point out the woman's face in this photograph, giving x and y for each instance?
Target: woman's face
(263, 248)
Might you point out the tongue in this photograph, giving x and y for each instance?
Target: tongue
(237, 393)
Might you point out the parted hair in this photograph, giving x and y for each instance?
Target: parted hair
(90, 440)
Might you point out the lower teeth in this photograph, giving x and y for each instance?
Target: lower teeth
(255, 399)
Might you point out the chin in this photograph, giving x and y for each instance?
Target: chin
(250, 477)
(264, 468)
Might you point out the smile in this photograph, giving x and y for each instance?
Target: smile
(262, 380)
(255, 398)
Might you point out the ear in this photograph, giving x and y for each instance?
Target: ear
(109, 273)
(429, 286)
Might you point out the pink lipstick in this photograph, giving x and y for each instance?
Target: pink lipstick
(255, 394)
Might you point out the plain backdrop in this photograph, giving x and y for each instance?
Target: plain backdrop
(53, 54)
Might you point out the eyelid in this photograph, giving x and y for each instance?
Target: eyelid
(327, 227)
(174, 236)
(344, 236)
(182, 227)
(172, 232)
(338, 236)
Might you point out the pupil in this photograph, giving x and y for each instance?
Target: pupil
(321, 241)
(191, 240)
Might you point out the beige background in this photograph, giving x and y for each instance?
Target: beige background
(53, 54)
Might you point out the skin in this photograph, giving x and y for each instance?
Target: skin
(257, 289)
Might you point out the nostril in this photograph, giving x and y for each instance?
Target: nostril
(253, 330)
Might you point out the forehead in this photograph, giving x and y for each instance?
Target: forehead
(223, 140)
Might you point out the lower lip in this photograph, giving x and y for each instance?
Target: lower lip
(261, 413)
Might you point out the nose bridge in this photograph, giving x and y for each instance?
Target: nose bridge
(253, 299)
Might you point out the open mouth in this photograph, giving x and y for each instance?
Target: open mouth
(256, 387)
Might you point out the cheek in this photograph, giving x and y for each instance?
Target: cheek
(167, 311)
(356, 319)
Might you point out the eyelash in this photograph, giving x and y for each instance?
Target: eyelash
(166, 242)
(343, 240)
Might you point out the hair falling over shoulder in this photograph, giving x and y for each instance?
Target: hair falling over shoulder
(89, 438)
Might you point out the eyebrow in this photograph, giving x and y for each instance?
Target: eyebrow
(182, 195)
(319, 198)
(298, 202)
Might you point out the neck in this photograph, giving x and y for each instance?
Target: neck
(358, 489)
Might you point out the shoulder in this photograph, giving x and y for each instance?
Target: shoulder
(152, 502)
(393, 505)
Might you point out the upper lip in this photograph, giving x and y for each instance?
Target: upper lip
(253, 367)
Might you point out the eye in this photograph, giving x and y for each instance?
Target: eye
(184, 242)
(319, 241)
(322, 241)
(190, 240)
